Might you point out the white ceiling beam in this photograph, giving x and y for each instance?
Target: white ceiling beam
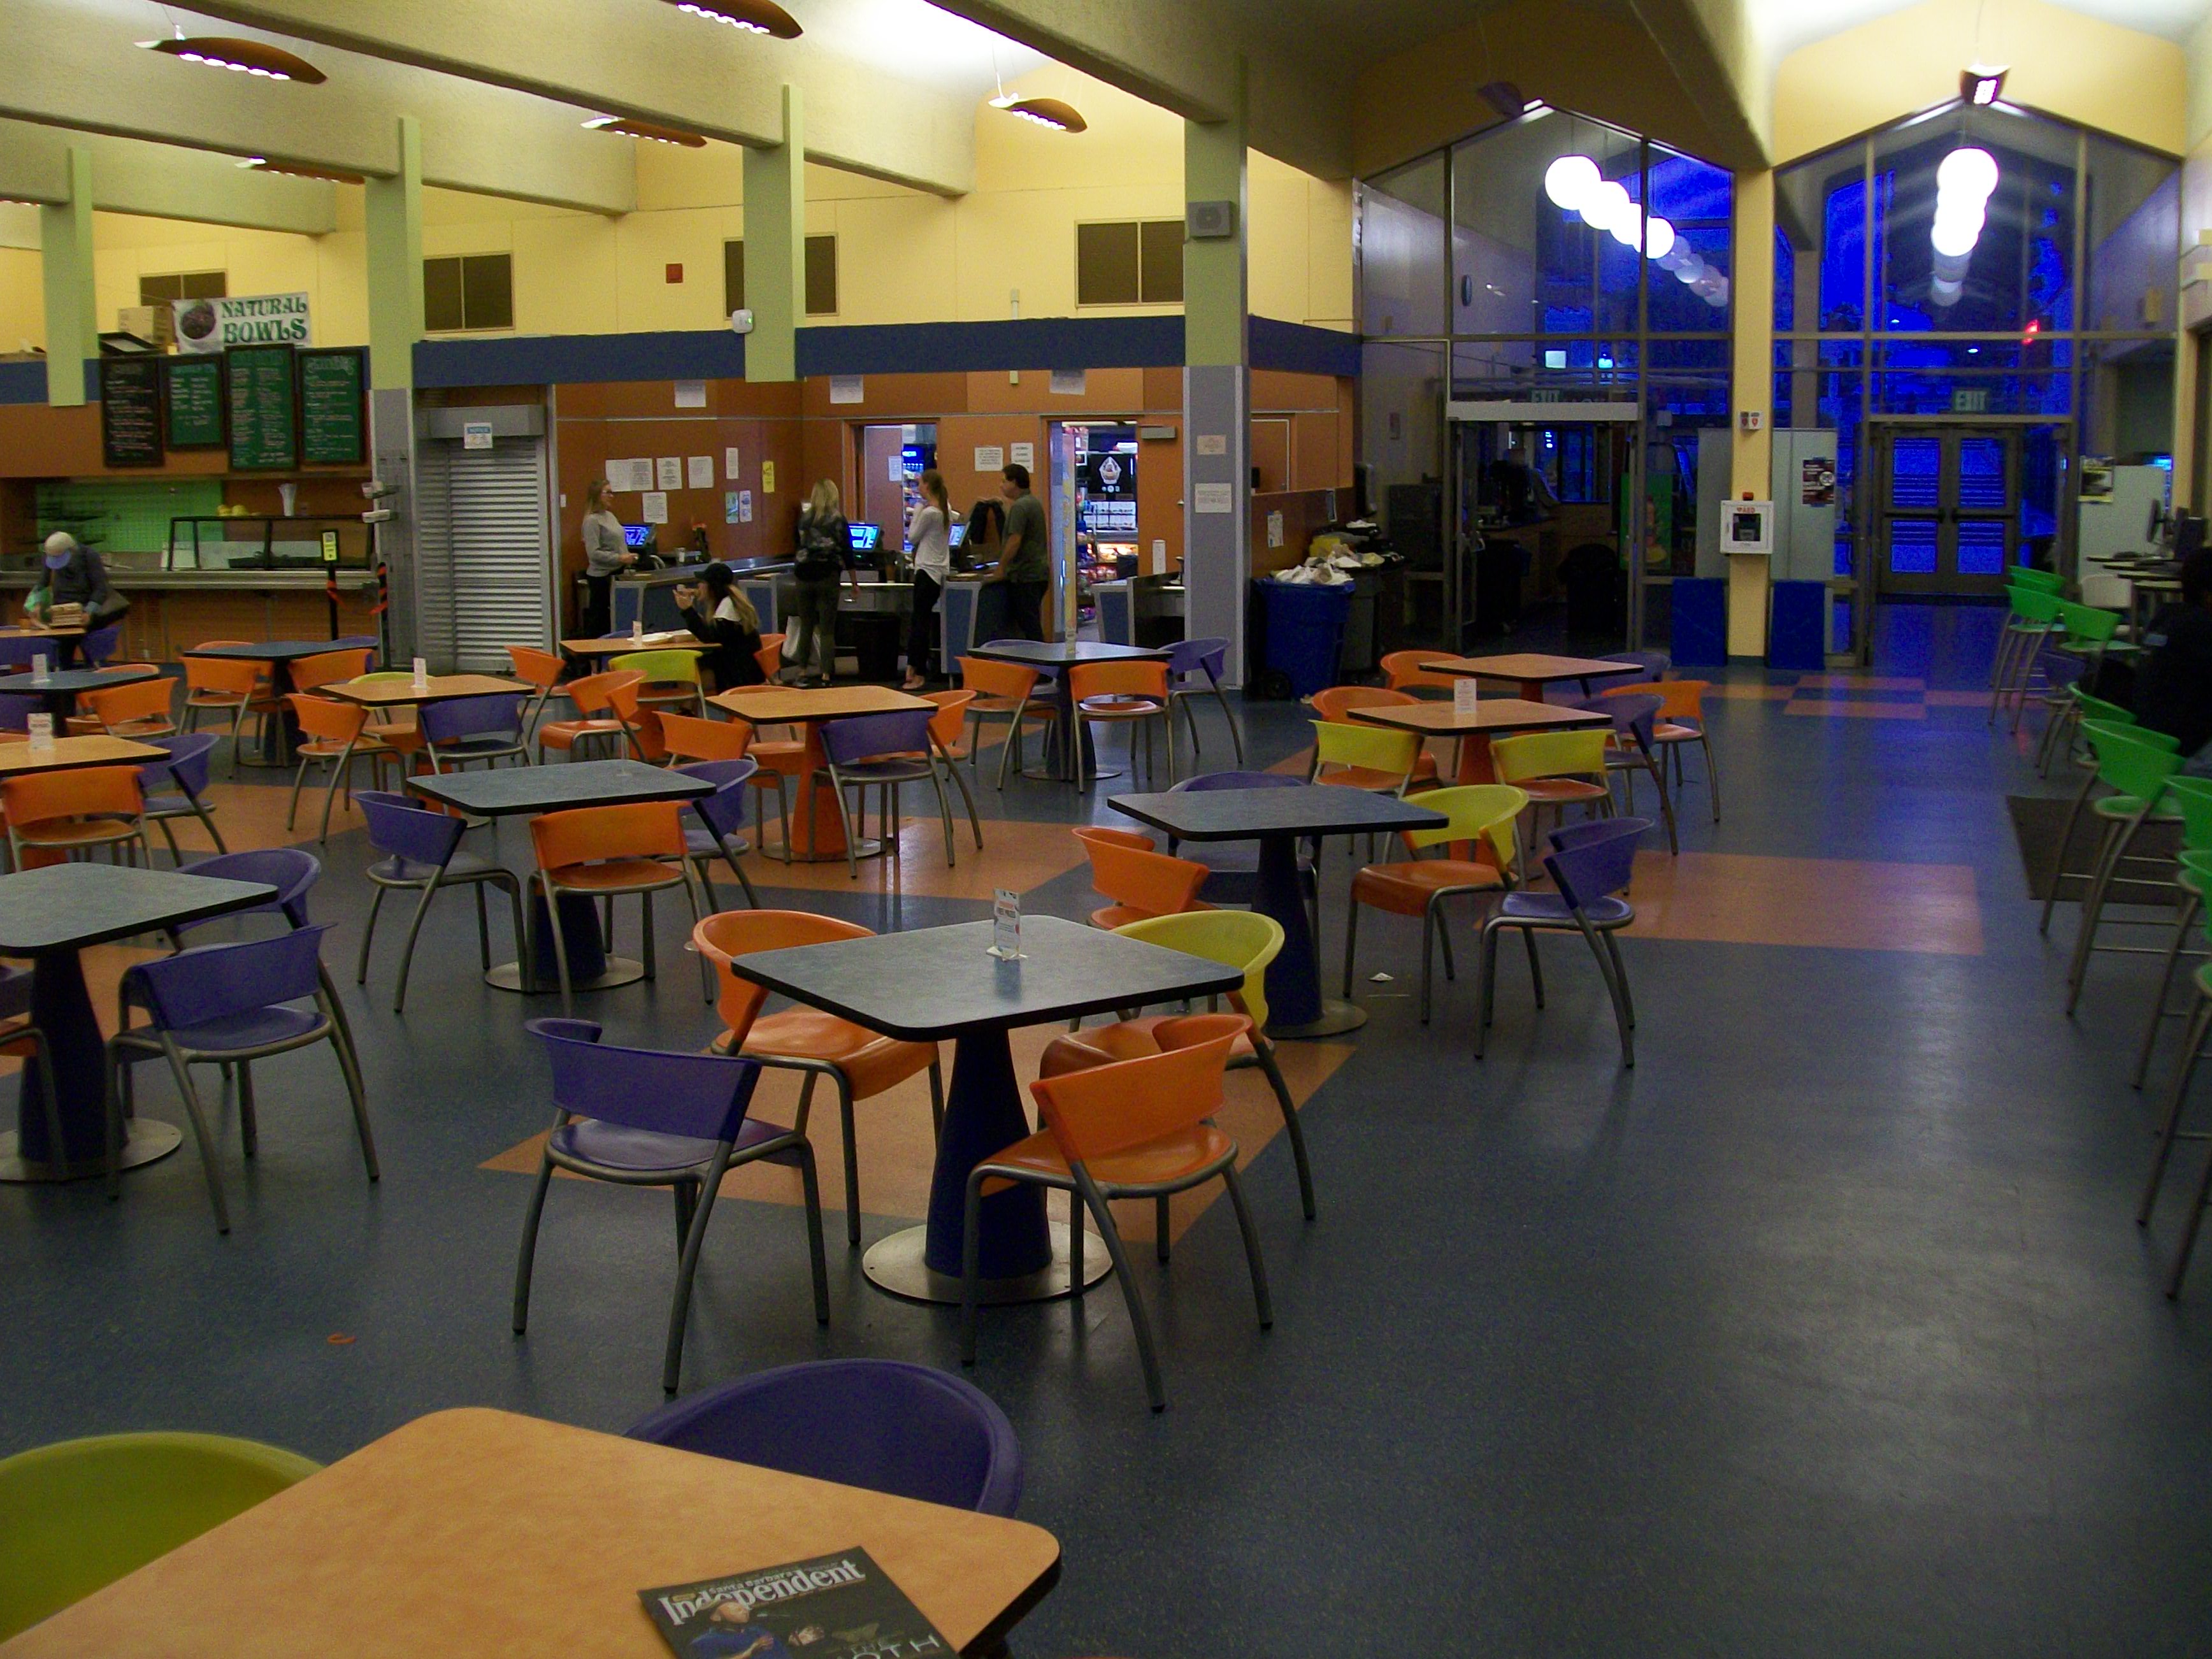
(652, 63)
(81, 69)
(162, 181)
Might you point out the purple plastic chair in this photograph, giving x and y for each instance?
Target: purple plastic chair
(98, 645)
(885, 751)
(1189, 658)
(16, 709)
(723, 815)
(1236, 865)
(1589, 865)
(421, 853)
(463, 729)
(20, 651)
(174, 788)
(882, 1425)
(1654, 665)
(228, 1005)
(292, 871)
(642, 1118)
(1635, 718)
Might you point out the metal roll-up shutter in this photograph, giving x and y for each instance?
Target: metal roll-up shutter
(484, 566)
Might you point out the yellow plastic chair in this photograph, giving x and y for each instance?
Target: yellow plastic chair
(1484, 814)
(79, 1515)
(1376, 758)
(671, 678)
(1557, 769)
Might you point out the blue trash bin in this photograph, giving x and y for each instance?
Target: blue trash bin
(1306, 632)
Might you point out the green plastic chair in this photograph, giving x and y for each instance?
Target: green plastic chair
(2044, 581)
(2137, 772)
(2032, 619)
(2192, 797)
(671, 678)
(2078, 707)
(81, 1514)
(2199, 1029)
(2089, 780)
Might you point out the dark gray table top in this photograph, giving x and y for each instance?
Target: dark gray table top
(271, 650)
(69, 682)
(1312, 809)
(935, 982)
(66, 907)
(1061, 653)
(503, 790)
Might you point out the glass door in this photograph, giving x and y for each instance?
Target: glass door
(1948, 500)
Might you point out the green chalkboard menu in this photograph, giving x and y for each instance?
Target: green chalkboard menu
(265, 408)
(195, 387)
(333, 406)
(130, 411)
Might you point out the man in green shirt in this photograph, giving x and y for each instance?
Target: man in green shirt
(1024, 562)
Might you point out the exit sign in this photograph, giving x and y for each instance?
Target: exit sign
(1973, 400)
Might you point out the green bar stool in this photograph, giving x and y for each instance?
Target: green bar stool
(2137, 772)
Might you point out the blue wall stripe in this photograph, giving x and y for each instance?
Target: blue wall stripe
(974, 348)
(549, 359)
(23, 382)
(1301, 348)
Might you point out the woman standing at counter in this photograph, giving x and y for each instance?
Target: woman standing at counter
(606, 555)
(929, 534)
(825, 546)
(725, 619)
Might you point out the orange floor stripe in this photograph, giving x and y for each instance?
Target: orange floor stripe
(1740, 898)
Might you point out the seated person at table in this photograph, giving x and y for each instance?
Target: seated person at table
(2173, 686)
(74, 576)
(724, 618)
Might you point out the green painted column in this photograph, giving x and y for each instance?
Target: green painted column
(1216, 391)
(775, 247)
(392, 210)
(66, 260)
(1213, 271)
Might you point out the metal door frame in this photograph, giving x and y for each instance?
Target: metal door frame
(1945, 580)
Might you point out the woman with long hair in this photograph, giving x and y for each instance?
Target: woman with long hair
(825, 548)
(606, 555)
(929, 534)
(718, 614)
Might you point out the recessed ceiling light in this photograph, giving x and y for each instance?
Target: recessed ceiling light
(1045, 112)
(652, 130)
(296, 170)
(255, 58)
(753, 16)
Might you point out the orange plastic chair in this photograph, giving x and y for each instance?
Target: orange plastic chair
(231, 684)
(52, 814)
(949, 730)
(1141, 883)
(1681, 723)
(689, 738)
(1003, 691)
(335, 734)
(1403, 672)
(607, 853)
(1142, 1128)
(770, 656)
(859, 1064)
(139, 709)
(600, 714)
(1483, 814)
(541, 671)
(329, 668)
(1123, 692)
(1334, 705)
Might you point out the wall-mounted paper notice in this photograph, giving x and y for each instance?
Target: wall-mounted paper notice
(989, 457)
(730, 465)
(897, 468)
(700, 471)
(690, 394)
(1274, 529)
(668, 473)
(767, 477)
(1067, 382)
(730, 507)
(1023, 455)
(846, 389)
(1215, 498)
(655, 509)
(744, 506)
(629, 475)
(1212, 443)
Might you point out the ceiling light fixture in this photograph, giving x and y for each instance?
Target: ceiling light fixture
(247, 56)
(652, 130)
(1981, 83)
(296, 170)
(1570, 180)
(753, 16)
(1964, 180)
(1046, 113)
(1506, 99)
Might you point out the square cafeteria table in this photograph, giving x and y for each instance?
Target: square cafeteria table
(1532, 670)
(59, 690)
(1491, 717)
(480, 1531)
(277, 741)
(73, 754)
(50, 915)
(1279, 819)
(527, 791)
(817, 831)
(618, 645)
(435, 688)
(1057, 657)
(936, 982)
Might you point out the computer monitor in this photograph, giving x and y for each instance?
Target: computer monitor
(2188, 534)
(2157, 521)
(637, 535)
(865, 536)
(957, 535)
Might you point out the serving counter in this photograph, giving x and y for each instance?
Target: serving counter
(172, 610)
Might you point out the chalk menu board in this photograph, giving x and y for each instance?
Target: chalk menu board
(130, 411)
(265, 408)
(194, 402)
(333, 406)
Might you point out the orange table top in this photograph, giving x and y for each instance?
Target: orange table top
(616, 645)
(69, 753)
(1491, 715)
(39, 631)
(482, 1531)
(777, 705)
(380, 694)
(1528, 666)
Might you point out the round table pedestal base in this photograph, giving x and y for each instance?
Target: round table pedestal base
(1337, 1017)
(148, 1140)
(621, 970)
(896, 1264)
(865, 846)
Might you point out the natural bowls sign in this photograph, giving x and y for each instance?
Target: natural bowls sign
(255, 319)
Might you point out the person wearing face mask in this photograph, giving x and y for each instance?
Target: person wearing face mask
(73, 574)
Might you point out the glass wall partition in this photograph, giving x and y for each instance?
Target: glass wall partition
(1559, 291)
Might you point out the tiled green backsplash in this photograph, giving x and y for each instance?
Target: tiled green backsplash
(125, 516)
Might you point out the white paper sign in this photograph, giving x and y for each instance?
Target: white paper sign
(668, 473)
(700, 470)
(1023, 455)
(630, 475)
(690, 394)
(846, 389)
(1006, 924)
(1212, 443)
(245, 319)
(42, 669)
(897, 467)
(989, 457)
(476, 434)
(422, 673)
(654, 507)
(42, 737)
(1274, 529)
(730, 507)
(1215, 498)
(744, 506)
(1067, 382)
(730, 458)
(1463, 696)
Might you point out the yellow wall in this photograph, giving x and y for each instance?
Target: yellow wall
(903, 256)
(23, 302)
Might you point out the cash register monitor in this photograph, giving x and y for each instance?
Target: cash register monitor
(637, 535)
(957, 535)
(865, 536)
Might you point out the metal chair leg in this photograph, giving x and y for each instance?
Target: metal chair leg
(672, 1365)
(2199, 1028)
(407, 951)
(1251, 1246)
(1351, 943)
(527, 1260)
(1096, 1204)
(209, 1167)
(2188, 907)
(2058, 871)
(1266, 1052)
(852, 1158)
